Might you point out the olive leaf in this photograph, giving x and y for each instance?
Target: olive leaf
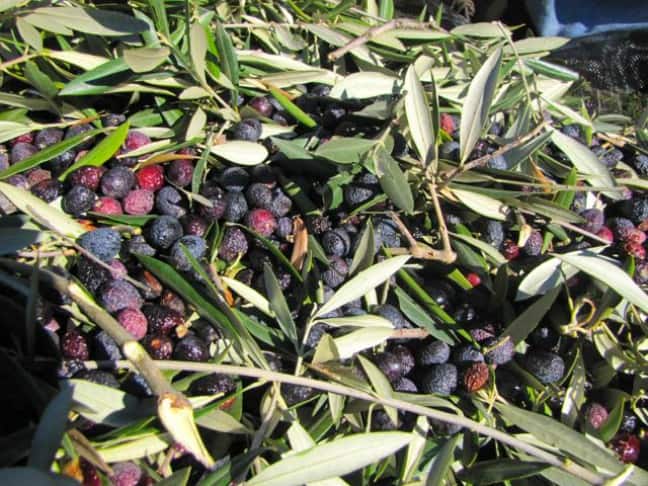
(419, 119)
(331, 459)
(476, 105)
(362, 283)
(393, 181)
(41, 212)
(241, 152)
(610, 274)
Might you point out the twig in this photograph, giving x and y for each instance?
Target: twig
(46, 254)
(18, 60)
(448, 255)
(566, 465)
(409, 334)
(422, 251)
(102, 264)
(481, 161)
(374, 32)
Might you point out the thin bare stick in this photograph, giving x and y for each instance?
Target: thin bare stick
(102, 264)
(409, 334)
(46, 254)
(567, 465)
(481, 161)
(422, 251)
(374, 32)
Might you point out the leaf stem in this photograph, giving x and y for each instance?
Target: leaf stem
(374, 32)
(481, 161)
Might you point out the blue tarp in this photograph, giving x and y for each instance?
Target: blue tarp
(575, 18)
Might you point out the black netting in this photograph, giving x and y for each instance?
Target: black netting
(610, 60)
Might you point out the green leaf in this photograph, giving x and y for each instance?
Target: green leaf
(610, 274)
(442, 461)
(363, 320)
(178, 478)
(196, 124)
(178, 418)
(526, 322)
(87, 20)
(482, 204)
(13, 476)
(135, 448)
(12, 129)
(533, 45)
(29, 33)
(551, 70)
(126, 219)
(418, 316)
(416, 448)
(106, 405)
(50, 431)
(249, 294)
(345, 150)
(419, 119)
(479, 29)
(42, 212)
(338, 39)
(548, 275)
(386, 9)
(227, 54)
(555, 434)
(489, 250)
(575, 394)
(474, 113)
(295, 111)
(79, 59)
(167, 274)
(611, 426)
(7, 4)
(39, 80)
(380, 384)
(292, 149)
(394, 181)
(144, 59)
(48, 153)
(278, 254)
(241, 152)
(365, 84)
(588, 164)
(518, 154)
(365, 251)
(562, 478)
(496, 471)
(331, 459)
(366, 338)
(198, 52)
(278, 304)
(362, 283)
(220, 421)
(88, 82)
(14, 239)
(101, 152)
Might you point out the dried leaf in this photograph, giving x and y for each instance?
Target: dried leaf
(300, 245)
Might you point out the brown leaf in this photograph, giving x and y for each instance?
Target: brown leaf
(300, 247)
(544, 180)
(73, 470)
(229, 298)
